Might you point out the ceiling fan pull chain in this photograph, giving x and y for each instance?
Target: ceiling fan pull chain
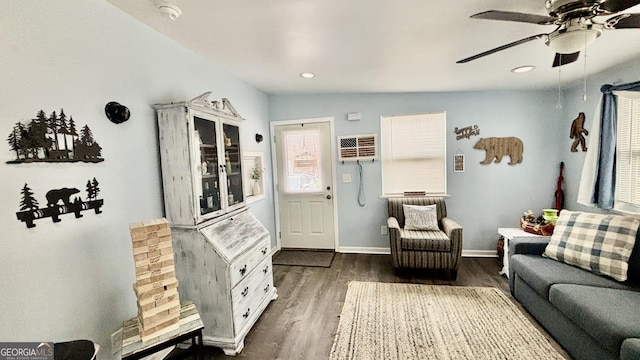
(584, 76)
(559, 104)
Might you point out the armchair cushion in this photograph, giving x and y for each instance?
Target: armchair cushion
(424, 240)
(420, 217)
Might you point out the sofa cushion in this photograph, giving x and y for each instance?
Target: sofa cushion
(420, 217)
(540, 273)
(424, 240)
(609, 315)
(630, 349)
(633, 274)
(598, 243)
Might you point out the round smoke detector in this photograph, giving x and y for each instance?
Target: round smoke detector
(168, 9)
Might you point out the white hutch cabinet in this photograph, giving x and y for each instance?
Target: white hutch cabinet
(222, 252)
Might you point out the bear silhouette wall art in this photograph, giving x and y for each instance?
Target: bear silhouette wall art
(59, 202)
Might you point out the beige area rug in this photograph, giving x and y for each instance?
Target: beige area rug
(411, 321)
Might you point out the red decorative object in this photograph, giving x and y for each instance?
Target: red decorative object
(537, 229)
(559, 193)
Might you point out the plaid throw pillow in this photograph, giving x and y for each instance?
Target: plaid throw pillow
(599, 243)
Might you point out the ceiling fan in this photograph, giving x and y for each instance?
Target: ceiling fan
(575, 30)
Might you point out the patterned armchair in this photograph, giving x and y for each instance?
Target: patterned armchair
(426, 249)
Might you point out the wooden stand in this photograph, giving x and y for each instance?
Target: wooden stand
(189, 328)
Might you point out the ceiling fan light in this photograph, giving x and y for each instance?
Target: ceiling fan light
(572, 41)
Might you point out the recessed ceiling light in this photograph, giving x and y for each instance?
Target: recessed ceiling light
(523, 69)
(308, 75)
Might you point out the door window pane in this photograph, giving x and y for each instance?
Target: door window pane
(303, 173)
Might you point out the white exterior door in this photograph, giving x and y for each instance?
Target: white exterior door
(305, 166)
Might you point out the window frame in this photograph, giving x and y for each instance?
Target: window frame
(623, 202)
(437, 156)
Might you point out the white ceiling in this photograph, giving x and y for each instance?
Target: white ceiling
(375, 45)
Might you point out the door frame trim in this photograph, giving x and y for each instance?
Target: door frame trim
(272, 125)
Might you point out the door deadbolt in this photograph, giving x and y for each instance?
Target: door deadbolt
(328, 196)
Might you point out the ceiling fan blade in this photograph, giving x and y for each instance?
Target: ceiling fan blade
(515, 16)
(624, 21)
(614, 6)
(564, 59)
(500, 48)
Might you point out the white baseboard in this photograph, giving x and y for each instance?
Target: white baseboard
(387, 251)
(364, 250)
(479, 253)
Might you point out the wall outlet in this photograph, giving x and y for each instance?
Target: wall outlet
(384, 230)
(346, 178)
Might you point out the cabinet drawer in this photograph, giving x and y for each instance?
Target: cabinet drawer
(248, 309)
(251, 286)
(241, 268)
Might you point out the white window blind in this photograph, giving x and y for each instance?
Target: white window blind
(413, 149)
(627, 193)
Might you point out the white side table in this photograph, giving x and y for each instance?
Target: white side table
(509, 234)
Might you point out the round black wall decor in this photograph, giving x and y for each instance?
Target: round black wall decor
(116, 112)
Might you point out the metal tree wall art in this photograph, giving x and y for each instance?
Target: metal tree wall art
(58, 203)
(53, 138)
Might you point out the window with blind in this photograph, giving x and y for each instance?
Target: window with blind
(413, 150)
(627, 193)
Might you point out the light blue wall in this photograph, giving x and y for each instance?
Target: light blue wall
(483, 197)
(73, 279)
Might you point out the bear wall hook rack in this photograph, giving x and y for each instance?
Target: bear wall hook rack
(58, 203)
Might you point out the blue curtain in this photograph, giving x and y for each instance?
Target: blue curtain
(604, 188)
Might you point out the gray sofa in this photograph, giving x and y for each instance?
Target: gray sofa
(591, 316)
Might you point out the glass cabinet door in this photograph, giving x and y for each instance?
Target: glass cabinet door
(232, 163)
(209, 199)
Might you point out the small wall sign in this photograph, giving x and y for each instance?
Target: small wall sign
(467, 132)
(458, 162)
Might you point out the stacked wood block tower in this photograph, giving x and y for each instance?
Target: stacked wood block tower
(156, 285)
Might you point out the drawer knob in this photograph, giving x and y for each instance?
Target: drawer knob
(266, 268)
(243, 269)
(245, 291)
(264, 251)
(246, 315)
(267, 288)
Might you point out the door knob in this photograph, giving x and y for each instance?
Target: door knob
(328, 196)
(328, 188)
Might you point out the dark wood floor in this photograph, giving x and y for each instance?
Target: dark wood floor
(302, 322)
